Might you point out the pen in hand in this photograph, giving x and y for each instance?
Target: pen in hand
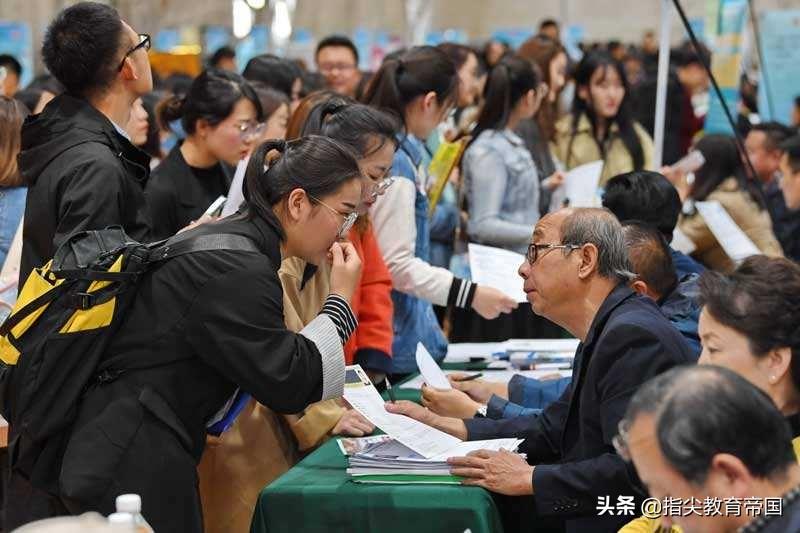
(389, 389)
(469, 377)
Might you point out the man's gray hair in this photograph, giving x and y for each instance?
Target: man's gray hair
(599, 227)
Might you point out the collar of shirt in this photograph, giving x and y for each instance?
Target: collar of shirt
(513, 138)
(120, 130)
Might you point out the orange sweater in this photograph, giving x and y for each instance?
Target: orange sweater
(372, 305)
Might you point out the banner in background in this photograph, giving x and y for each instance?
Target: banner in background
(726, 64)
(780, 46)
(16, 40)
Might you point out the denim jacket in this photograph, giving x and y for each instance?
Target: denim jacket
(12, 207)
(414, 319)
(502, 188)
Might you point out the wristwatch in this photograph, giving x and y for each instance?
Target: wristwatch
(481, 412)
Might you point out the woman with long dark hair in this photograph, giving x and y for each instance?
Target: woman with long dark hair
(221, 115)
(600, 126)
(419, 86)
(212, 323)
(550, 57)
(723, 178)
(502, 188)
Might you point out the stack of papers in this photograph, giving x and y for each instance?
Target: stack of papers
(382, 459)
(411, 450)
(489, 351)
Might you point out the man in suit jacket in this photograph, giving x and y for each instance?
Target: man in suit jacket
(575, 275)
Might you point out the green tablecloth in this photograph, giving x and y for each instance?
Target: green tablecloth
(317, 495)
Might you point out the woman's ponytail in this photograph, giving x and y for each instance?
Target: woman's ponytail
(170, 110)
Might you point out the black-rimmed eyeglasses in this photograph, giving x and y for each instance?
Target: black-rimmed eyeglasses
(144, 42)
(533, 250)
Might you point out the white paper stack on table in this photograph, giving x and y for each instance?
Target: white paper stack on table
(414, 450)
(489, 351)
(381, 459)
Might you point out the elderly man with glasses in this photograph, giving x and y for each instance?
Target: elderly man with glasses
(576, 274)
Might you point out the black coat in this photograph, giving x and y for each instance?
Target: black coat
(570, 443)
(144, 432)
(177, 194)
(81, 174)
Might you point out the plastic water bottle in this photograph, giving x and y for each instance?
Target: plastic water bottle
(122, 521)
(131, 504)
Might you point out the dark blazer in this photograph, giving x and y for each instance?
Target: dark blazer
(570, 443)
(81, 175)
(177, 194)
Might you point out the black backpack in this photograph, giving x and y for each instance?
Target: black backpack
(52, 345)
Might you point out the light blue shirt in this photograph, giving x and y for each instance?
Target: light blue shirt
(502, 188)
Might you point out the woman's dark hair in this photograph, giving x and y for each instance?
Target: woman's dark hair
(760, 300)
(591, 63)
(509, 80)
(541, 50)
(271, 99)
(354, 125)
(152, 146)
(83, 46)
(272, 71)
(458, 53)
(212, 97)
(318, 165)
(722, 162)
(420, 70)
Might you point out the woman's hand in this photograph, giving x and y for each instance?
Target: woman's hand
(450, 402)
(554, 181)
(345, 269)
(490, 303)
(352, 424)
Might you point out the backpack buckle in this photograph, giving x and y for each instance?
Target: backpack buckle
(83, 300)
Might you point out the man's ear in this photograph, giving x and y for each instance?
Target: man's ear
(640, 287)
(589, 256)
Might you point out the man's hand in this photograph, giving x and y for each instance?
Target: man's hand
(501, 472)
(352, 424)
(449, 402)
(478, 389)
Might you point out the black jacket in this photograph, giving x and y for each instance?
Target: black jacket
(177, 194)
(570, 443)
(221, 313)
(81, 174)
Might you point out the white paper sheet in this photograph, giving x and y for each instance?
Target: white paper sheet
(236, 191)
(429, 370)
(580, 185)
(682, 243)
(497, 268)
(494, 376)
(425, 440)
(729, 235)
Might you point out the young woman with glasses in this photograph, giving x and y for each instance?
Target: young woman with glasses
(222, 117)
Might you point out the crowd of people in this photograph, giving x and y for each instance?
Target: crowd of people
(686, 382)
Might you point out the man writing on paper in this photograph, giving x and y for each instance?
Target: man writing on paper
(576, 275)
